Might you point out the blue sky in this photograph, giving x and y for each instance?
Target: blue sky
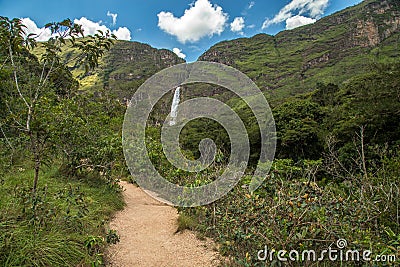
(187, 27)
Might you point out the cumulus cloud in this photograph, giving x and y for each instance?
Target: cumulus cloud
(237, 25)
(122, 33)
(313, 9)
(298, 21)
(200, 20)
(179, 53)
(113, 16)
(91, 28)
(42, 34)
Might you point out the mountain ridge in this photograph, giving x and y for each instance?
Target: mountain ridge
(331, 50)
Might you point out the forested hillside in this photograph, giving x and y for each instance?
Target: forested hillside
(122, 69)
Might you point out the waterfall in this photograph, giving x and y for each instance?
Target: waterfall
(174, 106)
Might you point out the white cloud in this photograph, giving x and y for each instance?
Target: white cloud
(251, 26)
(179, 53)
(251, 4)
(113, 16)
(200, 20)
(195, 48)
(43, 34)
(122, 33)
(237, 25)
(312, 8)
(298, 21)
(248, 7)
(91, 28)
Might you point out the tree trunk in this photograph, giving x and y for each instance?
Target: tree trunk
(36, 157)
(37, 169)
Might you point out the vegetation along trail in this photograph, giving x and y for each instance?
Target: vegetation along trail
(149, 237)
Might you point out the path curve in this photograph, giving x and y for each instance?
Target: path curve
(147, 230)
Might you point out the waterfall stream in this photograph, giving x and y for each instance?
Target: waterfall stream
(174, 106)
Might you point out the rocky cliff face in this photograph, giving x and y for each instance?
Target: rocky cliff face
(333, 49)
(366, 34)
(382, 19)
(129, 64)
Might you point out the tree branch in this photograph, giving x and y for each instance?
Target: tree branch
(8, 141)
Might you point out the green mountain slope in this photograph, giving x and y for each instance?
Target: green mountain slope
(332, 50)
(122, 69)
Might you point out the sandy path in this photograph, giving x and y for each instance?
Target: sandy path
(147, 231)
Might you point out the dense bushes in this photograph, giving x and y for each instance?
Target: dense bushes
(292, 211)
(60, 151)
(335, 176)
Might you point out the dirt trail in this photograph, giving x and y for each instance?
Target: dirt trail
(147, 232)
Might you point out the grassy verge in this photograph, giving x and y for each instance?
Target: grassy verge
(64, 224)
